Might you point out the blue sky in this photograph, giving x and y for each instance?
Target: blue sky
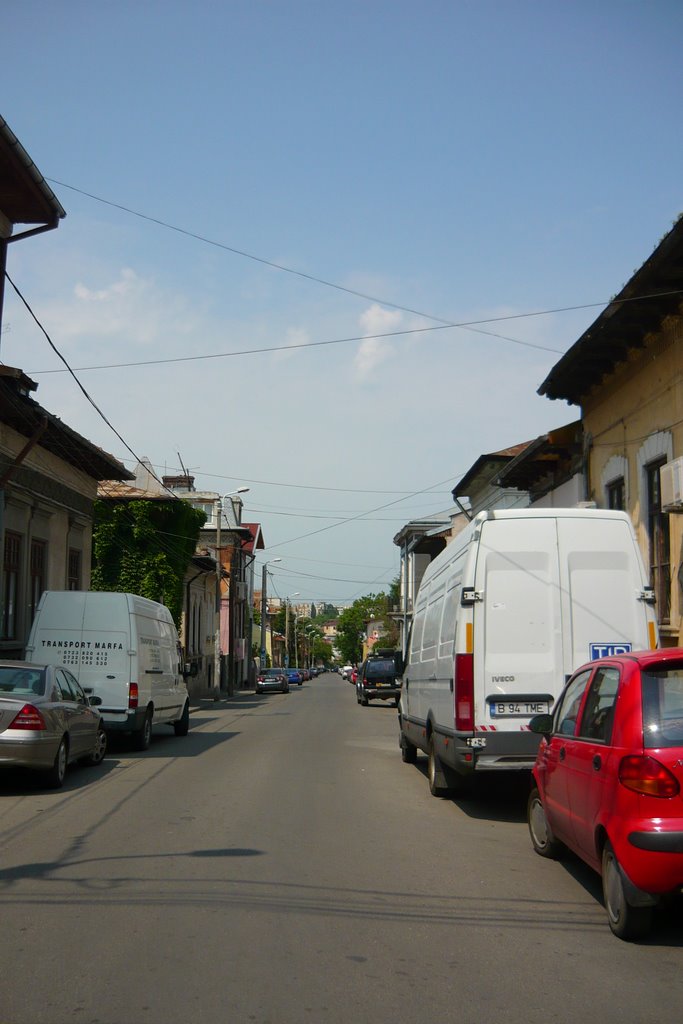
(464, 160)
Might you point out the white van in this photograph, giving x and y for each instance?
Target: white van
(503, 616)
(122, 648)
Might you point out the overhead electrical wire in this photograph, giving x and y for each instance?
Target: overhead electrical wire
(473, 325)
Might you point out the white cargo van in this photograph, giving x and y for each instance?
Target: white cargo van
(504, 614)
(122, 648)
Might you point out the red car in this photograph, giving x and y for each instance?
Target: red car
(608, 780)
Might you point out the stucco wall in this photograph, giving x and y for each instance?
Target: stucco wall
(633, 419)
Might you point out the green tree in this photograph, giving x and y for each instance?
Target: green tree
(144, 547)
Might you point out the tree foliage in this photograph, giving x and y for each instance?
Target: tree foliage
(144, 547)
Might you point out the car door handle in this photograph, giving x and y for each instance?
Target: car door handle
(563, 753)
(597, 762)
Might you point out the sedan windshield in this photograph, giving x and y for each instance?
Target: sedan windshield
(662, 691)
(24, 682)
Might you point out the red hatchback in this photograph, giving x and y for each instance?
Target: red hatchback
(608, 780)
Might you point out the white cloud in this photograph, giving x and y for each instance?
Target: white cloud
(374, 351)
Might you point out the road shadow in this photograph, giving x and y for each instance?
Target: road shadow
(166, 744)
(21, 781)
(494, 796)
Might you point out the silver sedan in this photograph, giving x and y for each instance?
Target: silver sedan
(46, 721)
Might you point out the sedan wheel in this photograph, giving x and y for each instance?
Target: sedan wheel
(626, 921)
(100, 748)
(55, 776)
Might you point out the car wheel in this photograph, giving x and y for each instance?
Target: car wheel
(54, 777)
(408, 750)
(542, 839)
(626, 921)
(182, 726)
(142, 737)
(100, 749)
(435, 774)
(364, 701)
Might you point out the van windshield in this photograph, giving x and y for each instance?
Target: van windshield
(662, 693)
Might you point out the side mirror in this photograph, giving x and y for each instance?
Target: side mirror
(399, 663)
(94, 701)
(542, 725)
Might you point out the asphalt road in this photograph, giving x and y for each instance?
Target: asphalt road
(281, 865)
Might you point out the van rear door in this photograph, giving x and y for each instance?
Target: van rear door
(603, 583)
(517, 635)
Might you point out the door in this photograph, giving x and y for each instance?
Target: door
(588, 765)
(552, 768)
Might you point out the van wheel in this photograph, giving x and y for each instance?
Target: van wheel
(54, 777)
(542, 839)
(142, 737)
(626, 921)
(438, 785)
(182, 726)
(408, 751)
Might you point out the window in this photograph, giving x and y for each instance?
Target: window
(37, 574)
(616, 494)
(74, 570)
(598, 714)
(11, 570)
(568, 710)
(658, 535)
(662, 696)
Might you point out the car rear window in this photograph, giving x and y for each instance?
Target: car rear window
(25, 682)
(375, 669)
(662, 693)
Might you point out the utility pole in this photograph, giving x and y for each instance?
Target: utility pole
(217, 624)
(264, 615)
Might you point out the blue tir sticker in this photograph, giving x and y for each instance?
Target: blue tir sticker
(607, 650)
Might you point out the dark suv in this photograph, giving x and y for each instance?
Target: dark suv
(377, 680)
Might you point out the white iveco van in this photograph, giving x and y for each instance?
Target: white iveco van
(121, 647)
(504, 614)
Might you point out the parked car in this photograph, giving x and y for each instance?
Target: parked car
(608, 780)
(377, 681)
(295, 675)
(46, 721)
(346, 672)
(272, 679)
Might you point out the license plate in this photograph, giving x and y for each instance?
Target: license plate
(518, 708)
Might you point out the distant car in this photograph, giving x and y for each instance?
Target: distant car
(272, 679)
(295, 675)
(346, 672)
(46, 721)
(377, 681)
(608, 780)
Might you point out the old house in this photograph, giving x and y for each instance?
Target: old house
(626, 374)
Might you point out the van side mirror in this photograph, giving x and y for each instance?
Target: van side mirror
(94, 701)
(542, 725)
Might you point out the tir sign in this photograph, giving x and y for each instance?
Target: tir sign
(608, 650)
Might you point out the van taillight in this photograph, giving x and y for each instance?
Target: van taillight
(464, 692)
(647, 776)
(28, 718)
(133, 695)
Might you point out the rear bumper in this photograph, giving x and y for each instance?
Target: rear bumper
(123, 721)
(657, 842)
(383, 693)
(34, 751)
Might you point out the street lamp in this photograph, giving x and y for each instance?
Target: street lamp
(219, 577)
(264, 610)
